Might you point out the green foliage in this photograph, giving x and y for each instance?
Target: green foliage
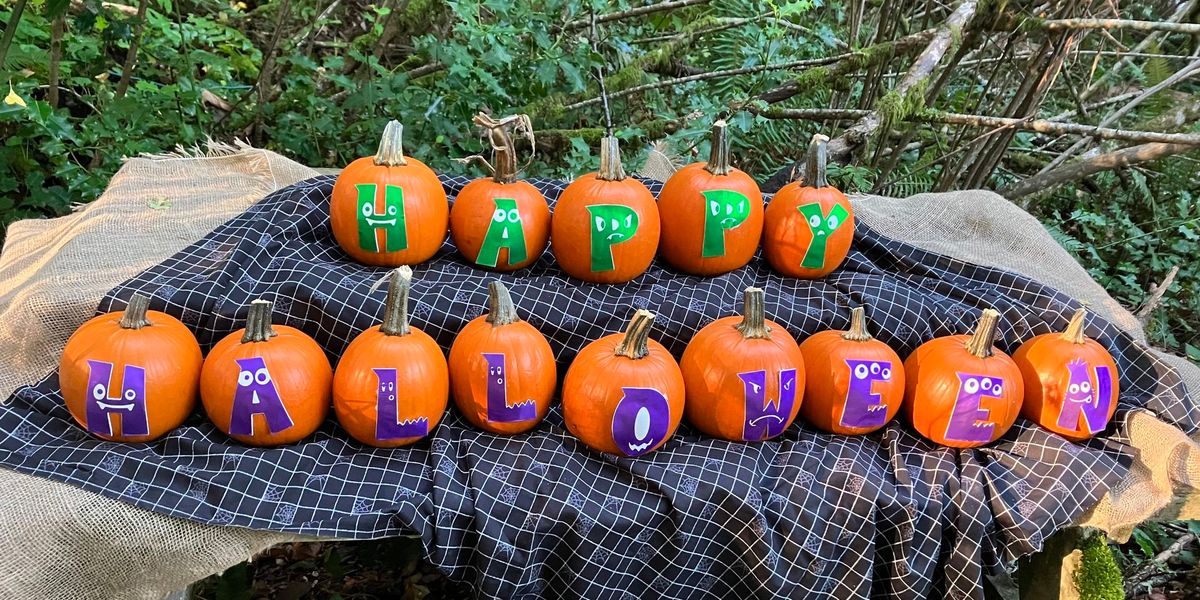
(1098, 576)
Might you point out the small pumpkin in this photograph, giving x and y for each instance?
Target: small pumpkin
(1071, 381)
(605, 227)
(500, 222)
(266, 385)
(623, 393)
(502, 370)
(744, 375)
(390, 209)
(131, 376)
(808, 225)
(855, 382)
(961, 391)
(392, 384)
(715, 214)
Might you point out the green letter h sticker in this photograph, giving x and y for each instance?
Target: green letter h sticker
(391, 220)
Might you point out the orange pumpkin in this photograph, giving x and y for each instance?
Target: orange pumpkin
(391, 385)
(623, 393)
(744, 375)
(1071, 381)
(131, 376)
(715, 214)
(502, 370)
(855, 382)
(499, 222)
(389, 209)
(809, 224)
(266, 385)
(605, 226)
(961, 391)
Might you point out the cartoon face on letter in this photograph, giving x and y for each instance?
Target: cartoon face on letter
(970, 422)
(864, 407)
(641, 420)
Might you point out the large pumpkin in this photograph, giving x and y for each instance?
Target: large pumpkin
(605, 226)
(962, 391)
(502, 370)
(389, 209)
(809, 224)
(391, 384)
(744, 375)
(855, 382)
(714, 214)
(1071, 381)
(131, 376)
(623, 393)
(266, 385)
(500, 222)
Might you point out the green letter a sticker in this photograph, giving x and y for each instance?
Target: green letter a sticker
(723, 210)
(504, 231)
(822, 227)
(391, 220)
(611, 225)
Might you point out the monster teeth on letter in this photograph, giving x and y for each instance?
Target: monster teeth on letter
(107, 406)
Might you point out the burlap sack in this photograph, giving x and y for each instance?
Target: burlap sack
(66, 543)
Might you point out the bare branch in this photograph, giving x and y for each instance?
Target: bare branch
(1125, 157)
(1064, 24)
(1179, 14)
(633, 12)
(131, 55)
(1144, 313)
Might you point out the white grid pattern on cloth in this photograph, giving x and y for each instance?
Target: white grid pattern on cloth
(885, 515)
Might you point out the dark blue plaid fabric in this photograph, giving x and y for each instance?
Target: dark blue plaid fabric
(539, 515)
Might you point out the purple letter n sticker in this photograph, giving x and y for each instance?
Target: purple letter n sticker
(1083, 399)
(256, 394)
(129, 405)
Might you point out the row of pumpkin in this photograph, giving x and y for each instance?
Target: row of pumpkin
(740, 378)
(391, 210)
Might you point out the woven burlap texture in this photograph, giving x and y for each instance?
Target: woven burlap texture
(62, 542)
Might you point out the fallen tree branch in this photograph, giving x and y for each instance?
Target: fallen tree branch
(633, 12)
(933, 116)
(1160, 559)
(1125, 157)
(1179, 14)
(1156, 296)
(121, 8)
(841, 147)
(1072, 24)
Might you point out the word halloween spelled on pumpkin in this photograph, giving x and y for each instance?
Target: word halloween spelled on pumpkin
(744, 375)
(624, 393)
(962, 391)
(131, 376)
(715, 214)
(1071, 385)
(809, 224)
(502, 370)
(605, 226)
(266, 385)
(855, 382)
(389, 209)
(391, 384)
(499, 222)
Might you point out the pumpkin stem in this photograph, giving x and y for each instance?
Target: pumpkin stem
(258, 322)
(636, 343)
(984, 337)
(858, 326)
(754, 325)
(501, 310)
(817, 157)
(395, 308)
(134, 316)
(610, 160)
(391, 148)
(1074, 331)
(718, 159)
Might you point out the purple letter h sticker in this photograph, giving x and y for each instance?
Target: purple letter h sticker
(130, 405)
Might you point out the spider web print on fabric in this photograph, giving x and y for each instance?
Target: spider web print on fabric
(887, 515)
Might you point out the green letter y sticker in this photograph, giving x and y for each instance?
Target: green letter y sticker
(822, 227)
(611, 225)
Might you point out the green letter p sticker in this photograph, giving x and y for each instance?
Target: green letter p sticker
(611, 224)
(723, 210)
(504, 231)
